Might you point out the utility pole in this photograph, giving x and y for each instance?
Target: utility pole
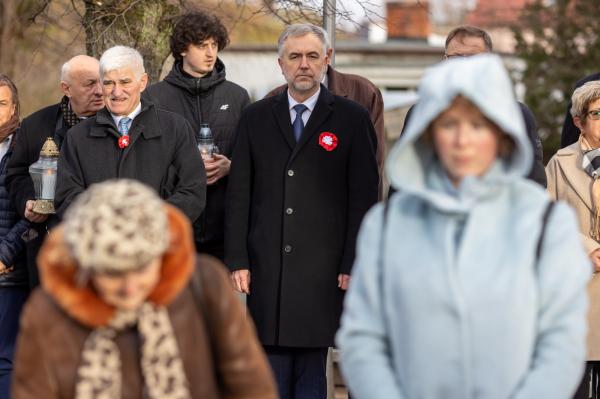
(329, 8)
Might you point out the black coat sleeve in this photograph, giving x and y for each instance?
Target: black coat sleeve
(537, 173)
(239, 196)
(189, 192)
(18, 180)
(70, 179)
(363, 187)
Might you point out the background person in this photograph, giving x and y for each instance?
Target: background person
(486, 295)
(303, 174)
(196, 88)
(573, 177)
(82, 98)
(13, 269)
(127, 310)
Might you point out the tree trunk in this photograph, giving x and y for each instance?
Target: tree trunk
(8, 23)
(142, 24)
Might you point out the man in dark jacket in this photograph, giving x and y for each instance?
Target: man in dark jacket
(80, 83)
(303, 175)
(570, 132)
(131, 139)
(196, 88)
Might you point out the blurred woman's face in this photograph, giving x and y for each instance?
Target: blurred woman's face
(7, 107)
(589, 125)
(465, 140)
(128, 291)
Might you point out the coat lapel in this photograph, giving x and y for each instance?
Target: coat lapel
(576, 177)
(281, 111)
(321, 112)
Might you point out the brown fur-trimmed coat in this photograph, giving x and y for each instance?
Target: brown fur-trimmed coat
(58, 319)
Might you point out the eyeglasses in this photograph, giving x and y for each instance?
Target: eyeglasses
(594, 114)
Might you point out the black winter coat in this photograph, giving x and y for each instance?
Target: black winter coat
(47, 122)
(293, 213)
(12, 227)
(218, 102)
(162, 154)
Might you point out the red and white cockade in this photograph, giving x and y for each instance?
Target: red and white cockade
(123, 142)
(328, 141)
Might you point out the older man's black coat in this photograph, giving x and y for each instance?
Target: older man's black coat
(33, 132)
(162, 154)
(293, 213)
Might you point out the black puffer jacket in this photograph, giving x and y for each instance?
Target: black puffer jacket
(12, 227)
(218, 102)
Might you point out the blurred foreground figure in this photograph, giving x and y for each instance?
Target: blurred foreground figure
(127, 311)
(485, 298)
(13, 268)
(573, 177)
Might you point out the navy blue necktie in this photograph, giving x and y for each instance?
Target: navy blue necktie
(298, 124)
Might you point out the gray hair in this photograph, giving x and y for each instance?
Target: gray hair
(583, 96)
(297, 30)
(469, 31)
(118, 57)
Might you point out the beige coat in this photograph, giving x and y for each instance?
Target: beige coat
(568, 182)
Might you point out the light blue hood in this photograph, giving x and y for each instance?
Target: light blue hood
(412, 166)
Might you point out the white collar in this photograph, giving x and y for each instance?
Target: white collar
(131, 116)
(309, 102)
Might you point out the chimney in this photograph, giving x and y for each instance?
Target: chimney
(408, 19)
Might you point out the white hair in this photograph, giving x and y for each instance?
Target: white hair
(118, 57)
(64, 72)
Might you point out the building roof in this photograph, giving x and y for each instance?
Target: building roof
(493, 13)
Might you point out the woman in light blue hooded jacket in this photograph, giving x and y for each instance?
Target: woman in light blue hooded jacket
(451, 296)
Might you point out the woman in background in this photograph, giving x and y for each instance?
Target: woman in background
(13, 269)
(573, 174)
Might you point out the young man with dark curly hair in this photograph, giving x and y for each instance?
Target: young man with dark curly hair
(196, 88)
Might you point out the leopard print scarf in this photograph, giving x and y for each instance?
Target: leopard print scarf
(99, 374)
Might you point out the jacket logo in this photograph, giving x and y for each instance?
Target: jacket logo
(328, 141)
(224, 107)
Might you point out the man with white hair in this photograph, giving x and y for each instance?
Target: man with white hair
(131, 138)
(80, 84)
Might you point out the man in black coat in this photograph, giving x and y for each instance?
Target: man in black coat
(131, 139)
(80, 83)
(570, 132)
(303, 174)
(196, 88)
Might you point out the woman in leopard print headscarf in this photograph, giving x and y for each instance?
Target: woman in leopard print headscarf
(123, 315)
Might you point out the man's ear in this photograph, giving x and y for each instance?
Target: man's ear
(280, 64)
(578, 122)
(329, 54)
(144, 81)
(64, 87)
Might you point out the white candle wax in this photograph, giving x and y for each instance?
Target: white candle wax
(48, 186)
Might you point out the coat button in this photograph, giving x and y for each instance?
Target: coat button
(290, 173)
(287, 249)
(289, 211)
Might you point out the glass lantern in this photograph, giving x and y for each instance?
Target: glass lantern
(43, 174)
(205, 141)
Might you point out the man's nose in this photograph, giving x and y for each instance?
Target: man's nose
(304, 62)
(97, 89)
